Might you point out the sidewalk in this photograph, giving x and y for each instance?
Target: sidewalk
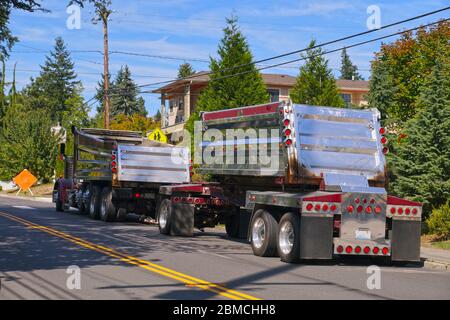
(13, 196)
(436, 258)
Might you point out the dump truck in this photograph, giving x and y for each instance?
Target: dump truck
(116, 172)
(298, 181)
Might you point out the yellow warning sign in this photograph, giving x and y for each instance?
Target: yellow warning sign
(157, 135)
(25, 180)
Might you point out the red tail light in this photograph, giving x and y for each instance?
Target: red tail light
(358, 249)
(286, 122)
(113, 157)
(288, 142)
(369, 210)
(113, 170)
(366, 250)
(392, 210)
(317, 207)
(333, 207)
(349, 249)
(382, 130)
(287, 132)
(376, 250)
(359, 209)
(309, 207)
(385, 150)
(325, 207)
(339, 249)
(400, 210)
(350, 209)
(377, 209)
(385, 251)
(414, 211)
(384, 140)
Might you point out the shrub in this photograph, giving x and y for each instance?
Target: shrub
(439, 222)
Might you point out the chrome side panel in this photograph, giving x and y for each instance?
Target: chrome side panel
(338, 140)
(153, 164)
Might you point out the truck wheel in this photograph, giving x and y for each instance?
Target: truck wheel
(165, 216)
(289, 238)
(121, 214)
(232, 226)
(264, 234)
(94, 202)
(108, 210)
(59, 204)
(82, 207)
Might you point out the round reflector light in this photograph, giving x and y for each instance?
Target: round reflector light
(384, 140)
(288, 142)
(407, 211)
(385, 250)
(382, 130)
(358, 249)
(377, 209)
(350, 209)
(392, 210)
(286, 122)
(287, 132)
(309, 206)
(376, 250)
(325, 207)
(340, 249)
(317, 207)
(366, 250)
(333, 207)
(360, 209)
(349, 249)
(400, 210)
(369, 210)
(414, 211)
(385, 150)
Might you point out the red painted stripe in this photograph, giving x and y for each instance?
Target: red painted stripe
(326, 198)
(402, 202)
(244, 111)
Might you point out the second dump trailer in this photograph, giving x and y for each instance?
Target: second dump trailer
(299, 181)
(115, 172)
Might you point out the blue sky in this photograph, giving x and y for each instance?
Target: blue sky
(190, 30)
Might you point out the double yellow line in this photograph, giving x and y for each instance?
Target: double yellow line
(155, 268)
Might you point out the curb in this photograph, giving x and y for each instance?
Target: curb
(39, 199)
(433, 264)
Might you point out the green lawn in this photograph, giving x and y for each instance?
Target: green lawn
(441, 244)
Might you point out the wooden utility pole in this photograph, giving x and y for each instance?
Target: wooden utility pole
(104, 16)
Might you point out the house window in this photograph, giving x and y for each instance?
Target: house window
(347, 98)
(274, 95)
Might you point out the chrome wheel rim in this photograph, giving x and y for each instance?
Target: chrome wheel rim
(163, 217)
(286, 237)
(258, 232)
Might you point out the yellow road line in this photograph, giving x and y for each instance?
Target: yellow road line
(147, 265)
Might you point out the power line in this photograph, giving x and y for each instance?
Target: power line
(314, 47)
(323, 53)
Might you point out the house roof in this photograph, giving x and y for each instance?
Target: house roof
(270, 79)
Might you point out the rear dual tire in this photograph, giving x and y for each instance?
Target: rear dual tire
(108, 211)
(94, 202)
(264, 230)
(289, 238)
(165, 216)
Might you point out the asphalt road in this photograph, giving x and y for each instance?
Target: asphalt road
(129, 260)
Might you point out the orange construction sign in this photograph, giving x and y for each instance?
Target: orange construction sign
(25, 180)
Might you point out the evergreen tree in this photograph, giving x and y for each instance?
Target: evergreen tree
(315, 84)
(231, 85)
(157, 116)
(349, 71)
(100, 94)
(420, 165)
(56, 82)
(7, 39)
(185, 70)
(381, 91)
(124, 95)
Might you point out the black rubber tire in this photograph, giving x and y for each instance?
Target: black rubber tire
(121, 214)
(294, 254)
(232, 226)
(82, 207)
(94, 202)
(268, 247)
(165, 208)
(108, 212)
(59, 205)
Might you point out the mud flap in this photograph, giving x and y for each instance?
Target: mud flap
(316, 237)
(244, 222)
(182, 223)
(405, 242)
